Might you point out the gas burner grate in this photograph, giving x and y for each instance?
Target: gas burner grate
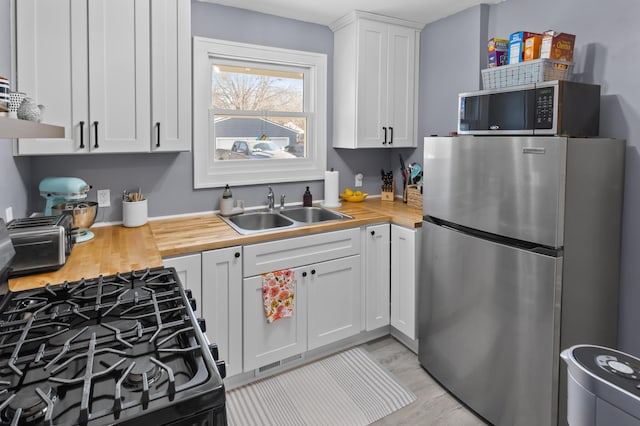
(98, 351)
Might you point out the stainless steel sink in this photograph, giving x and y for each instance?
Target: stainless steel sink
(312, 214)
(257, 221)
(253, 222)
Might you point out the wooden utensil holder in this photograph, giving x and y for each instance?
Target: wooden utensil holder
(414, 197)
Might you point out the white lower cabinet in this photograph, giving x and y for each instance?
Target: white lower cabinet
(265, 343)
(328, 296)
(377, 275)
(189, 271)
(334, 298)
(215, 280)
(222, 303)
(404, 278)
(334, 301)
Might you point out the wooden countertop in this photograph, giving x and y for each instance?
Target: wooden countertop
(114, 249)
(208, 232)
(120, 249)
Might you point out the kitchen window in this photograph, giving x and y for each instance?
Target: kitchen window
(259, 114)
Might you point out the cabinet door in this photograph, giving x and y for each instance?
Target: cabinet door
(119, 83)
(403, 280)
(171, 75)
(334, 300)
(377, 275)
(189, 269)
(51, 68)
(222, 303)
(371, 84)
(265, 343)
(401, 90)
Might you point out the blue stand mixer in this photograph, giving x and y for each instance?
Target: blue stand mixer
(67, 194)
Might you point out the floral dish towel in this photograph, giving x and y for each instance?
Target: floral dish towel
(278, 292)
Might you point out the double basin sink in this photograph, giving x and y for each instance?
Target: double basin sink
(268, 220)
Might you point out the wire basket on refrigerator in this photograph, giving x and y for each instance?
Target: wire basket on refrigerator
(527, 72)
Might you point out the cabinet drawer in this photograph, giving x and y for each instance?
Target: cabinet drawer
(300, 251)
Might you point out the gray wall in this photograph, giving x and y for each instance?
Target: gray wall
(167, 179)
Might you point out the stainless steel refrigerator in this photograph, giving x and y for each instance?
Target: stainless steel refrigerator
(521, 252)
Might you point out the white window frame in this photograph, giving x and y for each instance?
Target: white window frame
(249, 172)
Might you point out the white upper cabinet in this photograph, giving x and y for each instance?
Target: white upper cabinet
(375, 81)
(90, 64)
(119, 73)
(171, 75)
(53, 68)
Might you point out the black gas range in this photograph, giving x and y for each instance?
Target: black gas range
(120, 349)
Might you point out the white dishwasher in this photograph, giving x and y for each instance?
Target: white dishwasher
(603, 387)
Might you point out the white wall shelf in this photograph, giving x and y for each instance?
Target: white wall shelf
(15, 128)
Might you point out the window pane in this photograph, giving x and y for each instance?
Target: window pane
(256, 89)
(240, 137)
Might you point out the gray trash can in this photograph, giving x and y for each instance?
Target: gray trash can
(603, 387)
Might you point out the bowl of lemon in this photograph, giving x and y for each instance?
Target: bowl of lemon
(353, 196)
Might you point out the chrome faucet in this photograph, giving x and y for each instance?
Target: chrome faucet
(281, 201)
(270, 198)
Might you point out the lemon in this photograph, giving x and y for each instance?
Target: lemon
(358, 193)
(348, 192)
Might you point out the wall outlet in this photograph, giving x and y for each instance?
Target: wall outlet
(8, 214)
(359, 178)
(104, 198)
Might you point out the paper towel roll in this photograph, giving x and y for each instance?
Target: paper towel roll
(331, 189)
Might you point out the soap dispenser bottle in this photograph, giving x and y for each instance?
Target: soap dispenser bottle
(307, 200)
(226, 203)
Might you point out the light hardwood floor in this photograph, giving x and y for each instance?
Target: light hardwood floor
(434, 405)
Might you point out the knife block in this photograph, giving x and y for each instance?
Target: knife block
(389, 195)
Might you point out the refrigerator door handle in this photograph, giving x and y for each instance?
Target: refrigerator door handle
(534, 150)
(499, 239)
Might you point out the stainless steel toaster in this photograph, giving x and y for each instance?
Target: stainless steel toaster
(41, 243)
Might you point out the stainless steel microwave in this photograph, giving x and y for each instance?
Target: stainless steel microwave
(558, 107)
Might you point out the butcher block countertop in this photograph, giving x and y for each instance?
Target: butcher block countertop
(120, 249)
(114, 249)
(207, 232)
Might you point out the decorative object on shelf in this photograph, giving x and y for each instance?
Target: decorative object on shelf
(4, 94)
(28, 110)
(15, 100)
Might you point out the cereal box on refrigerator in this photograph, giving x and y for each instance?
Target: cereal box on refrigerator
(516, 45)
(557, 46)
(532, 48)
(497, 51)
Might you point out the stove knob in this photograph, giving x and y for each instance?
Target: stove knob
(213, 348)
(193, 303)
(203, 324)
(222, 369)
(189, 293)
